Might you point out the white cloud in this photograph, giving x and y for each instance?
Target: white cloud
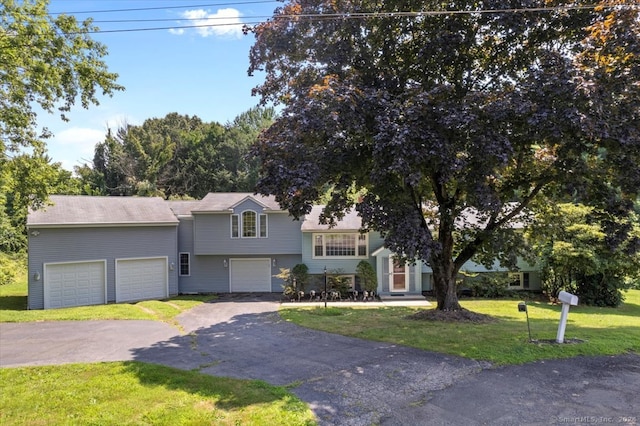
(74, 146)
(120, 120)
(79, 136)
(223, 23)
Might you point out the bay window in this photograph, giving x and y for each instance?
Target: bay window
(344, 245)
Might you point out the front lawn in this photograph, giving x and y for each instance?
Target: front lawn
(603, 331)
(13, 308)
(133, 393)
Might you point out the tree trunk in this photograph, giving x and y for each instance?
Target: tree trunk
(444, 285)
(443, 266)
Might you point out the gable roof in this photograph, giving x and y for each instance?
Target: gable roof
(82, 210)
(226, 201)
(350, 222)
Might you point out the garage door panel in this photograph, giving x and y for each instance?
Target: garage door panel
(75, 284)
(250, 275)
(141, 279)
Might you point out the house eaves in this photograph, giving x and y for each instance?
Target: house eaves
(89, 211)
(226, 202)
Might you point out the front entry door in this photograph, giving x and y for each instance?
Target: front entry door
(399, 276)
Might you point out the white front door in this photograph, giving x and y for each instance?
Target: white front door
(398, 276)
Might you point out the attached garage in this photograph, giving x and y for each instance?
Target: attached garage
(250, 275)
(141, 279)
(75, 284)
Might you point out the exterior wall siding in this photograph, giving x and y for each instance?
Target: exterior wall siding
(210, 275)
(78, 244)
(213, 236)
(427, 285)
(535, 277)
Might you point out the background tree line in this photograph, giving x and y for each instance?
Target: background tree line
(176, 156)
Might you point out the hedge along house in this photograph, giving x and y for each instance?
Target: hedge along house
(94, 250)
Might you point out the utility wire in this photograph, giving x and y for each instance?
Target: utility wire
(352, 15)
(193, 6)
(123, 21)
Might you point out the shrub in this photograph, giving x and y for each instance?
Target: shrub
(599, 290)
(490, 285)
(10, 266)
(300, 273)
(367, 274)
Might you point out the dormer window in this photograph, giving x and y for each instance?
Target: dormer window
(249, 224)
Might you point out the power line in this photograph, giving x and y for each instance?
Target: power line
(129, 30)
(193, 6)
(124, 21)
(347, 15)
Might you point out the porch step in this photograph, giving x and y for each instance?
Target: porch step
(401, 296)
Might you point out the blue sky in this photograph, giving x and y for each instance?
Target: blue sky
(194, 71)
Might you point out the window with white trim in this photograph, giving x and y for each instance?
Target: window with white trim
(185, 264)
(519, 280)
(345, 245)
(235, 226)
(263, 225)
(249, 224)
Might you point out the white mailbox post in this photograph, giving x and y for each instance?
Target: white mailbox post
(567, 300)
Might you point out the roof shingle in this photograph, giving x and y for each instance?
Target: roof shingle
(350, 222)
(89, 210)
(224, 201)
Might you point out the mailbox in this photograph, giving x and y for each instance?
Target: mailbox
(568, 298)
(522, 307)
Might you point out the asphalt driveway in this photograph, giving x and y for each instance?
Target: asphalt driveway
(346, 381)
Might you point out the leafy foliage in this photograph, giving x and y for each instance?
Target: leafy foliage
(368, 276)
(177, 155)
(449, 125)
(578, 256)
(493, 285)
(46, 61)
(26, 181)
(300, 274)
(10, 267)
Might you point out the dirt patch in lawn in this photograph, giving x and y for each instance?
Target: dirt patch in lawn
(461, 315)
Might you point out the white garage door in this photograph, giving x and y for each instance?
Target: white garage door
(74, 284)
(141, 279)
(250, 275)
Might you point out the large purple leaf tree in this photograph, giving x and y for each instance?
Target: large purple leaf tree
(449, 123)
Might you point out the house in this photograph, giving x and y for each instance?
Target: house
(94, 250)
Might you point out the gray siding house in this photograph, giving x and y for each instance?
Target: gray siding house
(94, 250)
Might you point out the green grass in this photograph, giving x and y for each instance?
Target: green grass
(133, 393)
(13, 308)
(604, 331)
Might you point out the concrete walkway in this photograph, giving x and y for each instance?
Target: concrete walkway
(346, 381)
